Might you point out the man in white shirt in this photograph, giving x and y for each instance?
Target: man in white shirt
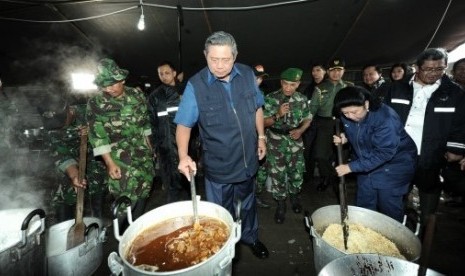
(432, 108)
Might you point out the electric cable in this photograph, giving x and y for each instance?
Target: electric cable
(69, 20)
(439, 25)
(255, 7)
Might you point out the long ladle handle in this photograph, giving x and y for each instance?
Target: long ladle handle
(342, 189)
(81, 174)
(426, 246)
(194, 198)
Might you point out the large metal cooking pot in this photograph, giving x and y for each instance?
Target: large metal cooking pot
(83, 259)
(372, 264)
(182, 212)
(22, 243)
(408, 244)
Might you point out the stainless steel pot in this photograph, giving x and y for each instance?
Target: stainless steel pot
(83, 259)
(408, 244)
(182, 212)
(22, 242)
(372, 264)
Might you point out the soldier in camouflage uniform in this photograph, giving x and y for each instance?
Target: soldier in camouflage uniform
(321, 108)
(64, 146)
(119, 131)
(287, 116)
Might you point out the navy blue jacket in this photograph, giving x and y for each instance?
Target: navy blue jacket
(162, 106)
(383, 150)
(227, 126)
(444, 125)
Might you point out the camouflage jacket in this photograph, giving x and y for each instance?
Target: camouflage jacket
(64, 150)
(120, 126)
(298, 109)
(322, 101)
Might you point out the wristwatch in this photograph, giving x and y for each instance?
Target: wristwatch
(262, 137)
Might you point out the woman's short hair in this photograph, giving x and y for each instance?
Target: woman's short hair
(354, 96)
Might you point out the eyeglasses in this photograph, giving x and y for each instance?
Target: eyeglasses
(433, 70)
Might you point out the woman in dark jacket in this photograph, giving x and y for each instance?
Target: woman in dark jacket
(384, 154)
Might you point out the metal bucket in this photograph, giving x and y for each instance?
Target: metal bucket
(408, 244)
(22, 243)
(372, 264)
(218, 264)
(83, 259)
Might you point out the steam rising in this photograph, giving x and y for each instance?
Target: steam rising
(24, 157)
(22, 192)
(26, 171)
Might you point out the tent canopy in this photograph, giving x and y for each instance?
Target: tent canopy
(48, 39)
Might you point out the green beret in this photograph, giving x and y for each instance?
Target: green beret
(292, 74)
(109, 73)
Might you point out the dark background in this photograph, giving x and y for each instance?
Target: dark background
(280, 36)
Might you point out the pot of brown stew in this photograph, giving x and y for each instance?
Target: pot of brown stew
(167, 241)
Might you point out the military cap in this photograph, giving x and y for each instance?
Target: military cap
(292, 74)
(336, 63)
(259, 71)
(109, 73)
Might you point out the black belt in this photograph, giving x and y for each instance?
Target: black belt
(281, 131)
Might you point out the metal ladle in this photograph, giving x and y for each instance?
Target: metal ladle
(194, 199)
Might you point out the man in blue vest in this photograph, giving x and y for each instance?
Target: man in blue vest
(225, 102)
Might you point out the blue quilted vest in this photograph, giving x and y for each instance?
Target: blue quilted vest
(227, 128)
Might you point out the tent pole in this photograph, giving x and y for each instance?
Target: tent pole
(180, 25)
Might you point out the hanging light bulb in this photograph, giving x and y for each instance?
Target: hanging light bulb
(141, 23)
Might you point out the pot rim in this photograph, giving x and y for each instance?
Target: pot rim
(203, 206)
(413, 250)
(374, 259)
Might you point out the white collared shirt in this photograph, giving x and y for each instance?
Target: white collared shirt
(416, 117)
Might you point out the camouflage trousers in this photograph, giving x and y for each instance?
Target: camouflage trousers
(262, 175)
(286, 165)
(135, 182)
(137, 171)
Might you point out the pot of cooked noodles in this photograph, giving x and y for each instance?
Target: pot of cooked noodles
(373, 264)
(167, 241)
(369, 232)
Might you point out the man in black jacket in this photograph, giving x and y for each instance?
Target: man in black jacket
(162, 105)
(432, 108)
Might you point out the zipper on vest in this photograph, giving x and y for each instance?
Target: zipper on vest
(242, 136)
